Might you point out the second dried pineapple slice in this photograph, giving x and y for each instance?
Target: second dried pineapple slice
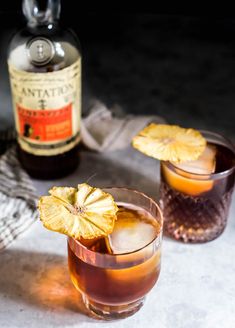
(170, 143)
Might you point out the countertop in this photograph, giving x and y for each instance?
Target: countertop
(196, 288)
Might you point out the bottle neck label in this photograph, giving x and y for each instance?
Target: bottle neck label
(47, 109)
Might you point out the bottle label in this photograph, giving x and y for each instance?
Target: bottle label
(47, 109)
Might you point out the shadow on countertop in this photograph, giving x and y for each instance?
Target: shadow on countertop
(40, 280)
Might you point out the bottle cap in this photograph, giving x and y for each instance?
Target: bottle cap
(40, 50)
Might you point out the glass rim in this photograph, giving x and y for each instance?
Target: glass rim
(156, 238)
(211, 176)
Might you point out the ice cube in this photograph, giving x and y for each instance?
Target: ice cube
(205, 163)
(131, 234)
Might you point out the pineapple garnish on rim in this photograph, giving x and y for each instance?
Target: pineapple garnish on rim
(84, 212)
(170, 143)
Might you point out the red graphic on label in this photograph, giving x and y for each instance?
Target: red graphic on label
(45, 124)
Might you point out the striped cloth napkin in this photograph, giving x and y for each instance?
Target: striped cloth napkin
(102, 130)
(17, 198)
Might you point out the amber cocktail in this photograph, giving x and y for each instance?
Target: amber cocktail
(195, 196)
(115, 273)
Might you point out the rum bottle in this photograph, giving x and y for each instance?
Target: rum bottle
(44, 62)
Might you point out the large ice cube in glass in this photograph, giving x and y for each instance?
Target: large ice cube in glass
(205, 163)
(131, 232)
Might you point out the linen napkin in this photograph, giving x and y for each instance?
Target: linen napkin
(111, 129)
(102, 130)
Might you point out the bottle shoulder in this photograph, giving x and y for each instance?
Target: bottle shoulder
(61, 45)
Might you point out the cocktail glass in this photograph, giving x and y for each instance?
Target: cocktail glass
(195, 205)
(115, 285)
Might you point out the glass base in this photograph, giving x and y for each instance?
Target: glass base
(112, 312)
(193, 219)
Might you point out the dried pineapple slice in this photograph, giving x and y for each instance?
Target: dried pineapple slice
(170, 143)
(83, 212)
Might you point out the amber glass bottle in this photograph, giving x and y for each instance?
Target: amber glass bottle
(44, 63)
